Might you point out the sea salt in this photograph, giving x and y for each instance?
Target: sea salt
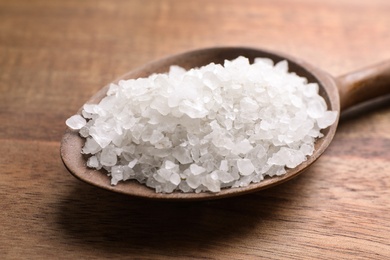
(76, 122)
(204, 129)
(245, 167)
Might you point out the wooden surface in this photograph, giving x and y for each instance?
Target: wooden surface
(55, 54)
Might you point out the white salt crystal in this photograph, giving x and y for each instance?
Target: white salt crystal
(156, 137)
(101, 136)
(192, 139)
(204, 129)
(296, 100)
(211, 183)
(164, 143)
(211, 80)
(243, 147)
(176, 71)
(214, 175)
(225, 177)
(192, 109)
(108, 157)
(282, 66)
(175, 179)
(244, 181)
(196, 170)
(195, 154)
(316, 108)
(169, 187)
(159, 179)
(164, 174)
(266, 61)
(307, 149)
(89, 108)
(91, 146)
(328, 119)
(310, 90)
(161, 106)
(184, 187)
(193, 181)
(86, 115)
(84, 132)
(169, 165)
(248, 104)
(128, 173)
(182, 155)
(76, 122)
(116, 174)
(224, 166)
(133, 163)
(245, 166)
(112, 89)
(288, 157)
(93, 162)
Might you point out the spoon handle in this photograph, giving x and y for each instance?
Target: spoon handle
(364, 84)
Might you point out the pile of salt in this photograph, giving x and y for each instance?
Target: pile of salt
(204, 129)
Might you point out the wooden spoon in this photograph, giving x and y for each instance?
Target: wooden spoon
(339, 94)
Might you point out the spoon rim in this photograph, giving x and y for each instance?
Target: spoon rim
(72, 142)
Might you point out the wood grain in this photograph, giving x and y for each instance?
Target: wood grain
(54, 55)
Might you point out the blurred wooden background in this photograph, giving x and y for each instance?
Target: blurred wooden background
(55, 54)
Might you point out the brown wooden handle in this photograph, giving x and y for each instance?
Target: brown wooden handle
(364, 84)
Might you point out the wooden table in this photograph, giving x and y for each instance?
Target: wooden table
(55, 54)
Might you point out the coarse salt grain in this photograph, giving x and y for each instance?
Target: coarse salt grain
(76, 122)
(208, 128)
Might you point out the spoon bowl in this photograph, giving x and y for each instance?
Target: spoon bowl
(339, 93)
